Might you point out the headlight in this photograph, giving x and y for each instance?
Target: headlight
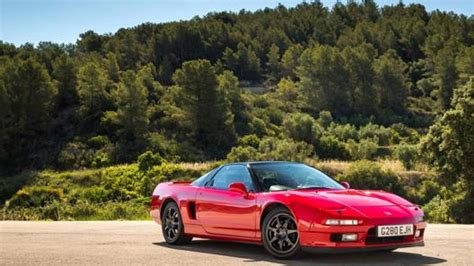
(419, 218)
(342, 222)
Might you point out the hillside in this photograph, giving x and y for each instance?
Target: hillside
(353, 82)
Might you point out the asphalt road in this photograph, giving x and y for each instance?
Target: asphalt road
(140, 242)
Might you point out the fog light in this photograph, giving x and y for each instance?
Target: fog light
(349, 237)
(418, 233)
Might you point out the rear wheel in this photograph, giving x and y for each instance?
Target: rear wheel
(280, 234)
(172, 226)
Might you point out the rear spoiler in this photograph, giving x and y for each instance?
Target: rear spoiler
(180, 182)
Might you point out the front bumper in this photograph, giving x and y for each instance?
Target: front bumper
(361, 249)
(319, 239)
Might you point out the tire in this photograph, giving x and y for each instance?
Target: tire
(172, 226)
(280, 234)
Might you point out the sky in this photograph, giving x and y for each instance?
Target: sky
(61, 21)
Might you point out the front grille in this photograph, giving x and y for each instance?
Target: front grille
(372, 238)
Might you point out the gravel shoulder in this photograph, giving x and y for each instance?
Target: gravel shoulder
(140, 242)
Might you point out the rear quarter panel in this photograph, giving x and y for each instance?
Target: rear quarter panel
(180, 192)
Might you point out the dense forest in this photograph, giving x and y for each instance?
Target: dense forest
(355, 82)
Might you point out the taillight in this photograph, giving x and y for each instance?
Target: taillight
(155, 202)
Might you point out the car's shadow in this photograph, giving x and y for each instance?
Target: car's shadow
(255, 253)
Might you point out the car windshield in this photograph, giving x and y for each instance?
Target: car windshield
(286, 176)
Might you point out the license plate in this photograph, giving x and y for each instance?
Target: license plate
(394, 230)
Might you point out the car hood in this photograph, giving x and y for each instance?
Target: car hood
(366, 203)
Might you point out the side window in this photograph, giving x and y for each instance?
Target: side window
(231, 174)
(202, 180)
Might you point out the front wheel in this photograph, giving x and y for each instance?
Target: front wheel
(172, 226)
(280, 234)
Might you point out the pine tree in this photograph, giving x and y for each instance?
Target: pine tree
(64, 72)
(207, 108)
(91, 87)
(446, 75)
(132, 111)
(290, 60)
(358, 64)
(391, 82)
(323, 80)
(274, 65)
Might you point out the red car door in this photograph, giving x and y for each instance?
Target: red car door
(224, 212)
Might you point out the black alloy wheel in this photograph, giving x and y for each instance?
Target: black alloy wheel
(280, 234)
(172, 225)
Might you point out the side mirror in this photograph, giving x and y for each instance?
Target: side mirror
(238, 187)
(345, 184)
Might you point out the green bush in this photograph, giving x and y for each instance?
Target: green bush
(95, 194)
(98, 142)
(302, 127)
(35, 197)
(284, 149)
(437, 210)
(428, 190)
(75, 155)
(365, 149)
(331, 148)
(147, 160)
(250, 140)
(100, 159)
(168, 172)
(325, 119)
(242, 154)
(343, 132)
(258, 127)
(384, 136)
(370, 175)
(407, 154)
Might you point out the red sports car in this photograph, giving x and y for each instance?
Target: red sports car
(286, 206)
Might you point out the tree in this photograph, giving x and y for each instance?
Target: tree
(4, 115)
(91, 86)
(27, 97)
(290, 59)
(229, 84)
(146, 76)
(358, 64)
(64, 72)
(274, 65)
(31, 95)
(450, 141)
(446, 74)
(302, 127)
(323, 80)
(449, 148)
(90, 42)
(207, 108)
(132, 111)
(391, 82)
(244, 62)
(465, 64)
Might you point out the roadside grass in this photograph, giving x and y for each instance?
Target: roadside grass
(122, 192)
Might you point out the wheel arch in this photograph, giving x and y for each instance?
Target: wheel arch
(166, 202)
(270, 206)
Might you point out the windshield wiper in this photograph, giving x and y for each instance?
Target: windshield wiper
(312, 187)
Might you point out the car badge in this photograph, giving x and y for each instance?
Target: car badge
(387, 213)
